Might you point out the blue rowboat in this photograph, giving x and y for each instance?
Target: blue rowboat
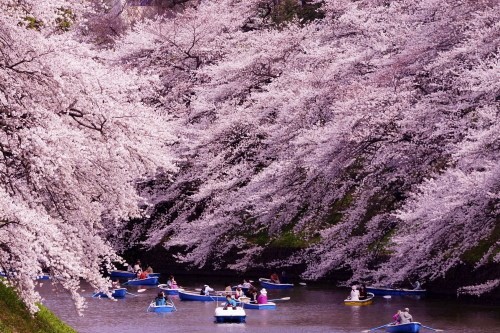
(413, 327)
(193, 296)
(117, 293)
(266, 283)
(393, 291)
(254, 306)
(129, 275)
(169, 291)
(150, 281)
(169, 307)
(230, 315)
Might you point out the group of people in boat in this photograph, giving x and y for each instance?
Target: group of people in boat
(402, 317)
(275, 278)
(139, 271)
(358, 294)
(245, 291)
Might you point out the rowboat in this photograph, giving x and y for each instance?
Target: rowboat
(266, 283)
(193, 296)
(117, 293)
(128, 275)
(169, 291)
(230, 315)
(150, 281)
(255, 306)
(169, 307)
(413, 327)
(393, 291)
(367, 301)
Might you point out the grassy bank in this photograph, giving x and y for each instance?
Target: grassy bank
(15, 318)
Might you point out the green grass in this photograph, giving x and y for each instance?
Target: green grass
(15, 317)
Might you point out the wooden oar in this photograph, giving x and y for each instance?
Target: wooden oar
(434, 329)
(279, 299)
(141, 290)
(375, 328)
(131, 294)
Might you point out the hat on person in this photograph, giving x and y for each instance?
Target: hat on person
(407, 310)
(263, 291)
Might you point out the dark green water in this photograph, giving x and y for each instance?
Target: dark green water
(310, 309)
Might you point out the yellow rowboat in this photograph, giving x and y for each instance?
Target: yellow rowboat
(367, 301)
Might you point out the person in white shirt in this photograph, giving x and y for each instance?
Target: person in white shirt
(354, 294)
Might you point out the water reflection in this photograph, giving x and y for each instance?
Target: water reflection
(309, 310)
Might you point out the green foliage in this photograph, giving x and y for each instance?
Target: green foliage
(15, 317)
(336, 211)
(260, 238)
(475, 254)
(65, 19)
(31, 22)
(292, 240)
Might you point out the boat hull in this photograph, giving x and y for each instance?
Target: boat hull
(128, 275)
(266, 283)
(117, 293)
(230, 315)
(150, 281)
(161, 308)
(367, 301)
(253, 306)
(169, 291)
(391, 291)
(189, 296)
(413, 327)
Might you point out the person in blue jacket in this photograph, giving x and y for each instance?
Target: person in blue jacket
(230, 302)
(160, 299)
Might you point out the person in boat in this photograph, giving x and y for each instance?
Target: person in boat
(230, 302)
(130, 268)
(354, 294)
(246, 284)
(416, 286)
(362, 292)
(262, 298)
(238, 292)
(142, 275)
(228, 288)
(160, 299)
(405, 316)
(171, 283)
(252, 294)
(275, 278)
(396, 318)
(115, 284)
(137, 266)
(149, 270)
(206, 290)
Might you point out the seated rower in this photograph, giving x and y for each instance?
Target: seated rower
(230, 302)
(262, 298)
(171, 283)
(275, 278)
(160, 299)
(354, 294)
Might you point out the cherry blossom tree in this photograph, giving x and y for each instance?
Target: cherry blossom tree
(335, 137)
(75, 138)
